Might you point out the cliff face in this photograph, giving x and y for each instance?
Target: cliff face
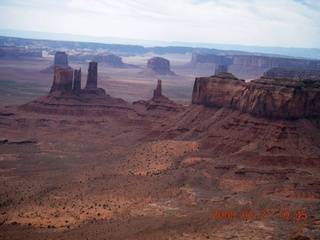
(217, 91)
(274, 62)
(248, 66)
(62, 80)
(293, 73)
(256, 61)
(211, 58)
(266, 97)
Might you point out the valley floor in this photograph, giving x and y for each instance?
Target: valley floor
(65, 177)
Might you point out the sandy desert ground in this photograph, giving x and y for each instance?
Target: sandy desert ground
(193, 174)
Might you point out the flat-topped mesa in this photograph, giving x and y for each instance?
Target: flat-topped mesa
(221, 69)
(92, 78)
(211, 58)
(110, 59)
(265, 97)
(158, 91)
(77, 80)
(61, 59)
(62, 80)
(158, 63)
(157, 66)
(293, 73)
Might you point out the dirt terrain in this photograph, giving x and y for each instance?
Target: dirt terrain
(164, 171)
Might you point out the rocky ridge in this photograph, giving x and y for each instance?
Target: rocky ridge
(256, 61)
(293, 73)
(249, 66)
(265, 97)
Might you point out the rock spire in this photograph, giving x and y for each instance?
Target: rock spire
(92, 78)
(77, 80)
(62, 80)
(158, 91)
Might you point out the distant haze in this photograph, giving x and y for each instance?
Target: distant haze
(284, 23)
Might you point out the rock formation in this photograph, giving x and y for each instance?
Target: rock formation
(158, 91)
(221, 69)
(275, 62)
(62, 80)
(256, 61)
(67, 97)
(157, 66)
(292, 73)
(266, 97)
(112, 61)
(92, 77)
(160, 103)
(77, 80)
(211, 58)
(60, 60)
(249, 66)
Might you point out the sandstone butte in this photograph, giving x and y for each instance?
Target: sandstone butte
(266, 97)
(60, 60)
(67, 97)
(112, 61)
(157, 66)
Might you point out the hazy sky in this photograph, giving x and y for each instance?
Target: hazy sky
(288, 23)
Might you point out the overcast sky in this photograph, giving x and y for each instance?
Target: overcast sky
(286, 23)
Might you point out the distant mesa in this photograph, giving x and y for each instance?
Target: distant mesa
(18, 52)
(157, 66)
(221, 69)
(256, 61)
(212, 58)
(66, 96)
(299, 98)
(293, 73)
(249, 66)
(112, 61)
(60, 60)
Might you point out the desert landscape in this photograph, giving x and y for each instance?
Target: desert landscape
(158, 146)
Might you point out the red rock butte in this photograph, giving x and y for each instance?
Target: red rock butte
(264, 97)
(60, 60)
(157, 66)
(67, 97)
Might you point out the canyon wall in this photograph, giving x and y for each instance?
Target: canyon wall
(293, 73)
(265, 97)
(256, 61)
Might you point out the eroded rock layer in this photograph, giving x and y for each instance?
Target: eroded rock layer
(266, 97)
